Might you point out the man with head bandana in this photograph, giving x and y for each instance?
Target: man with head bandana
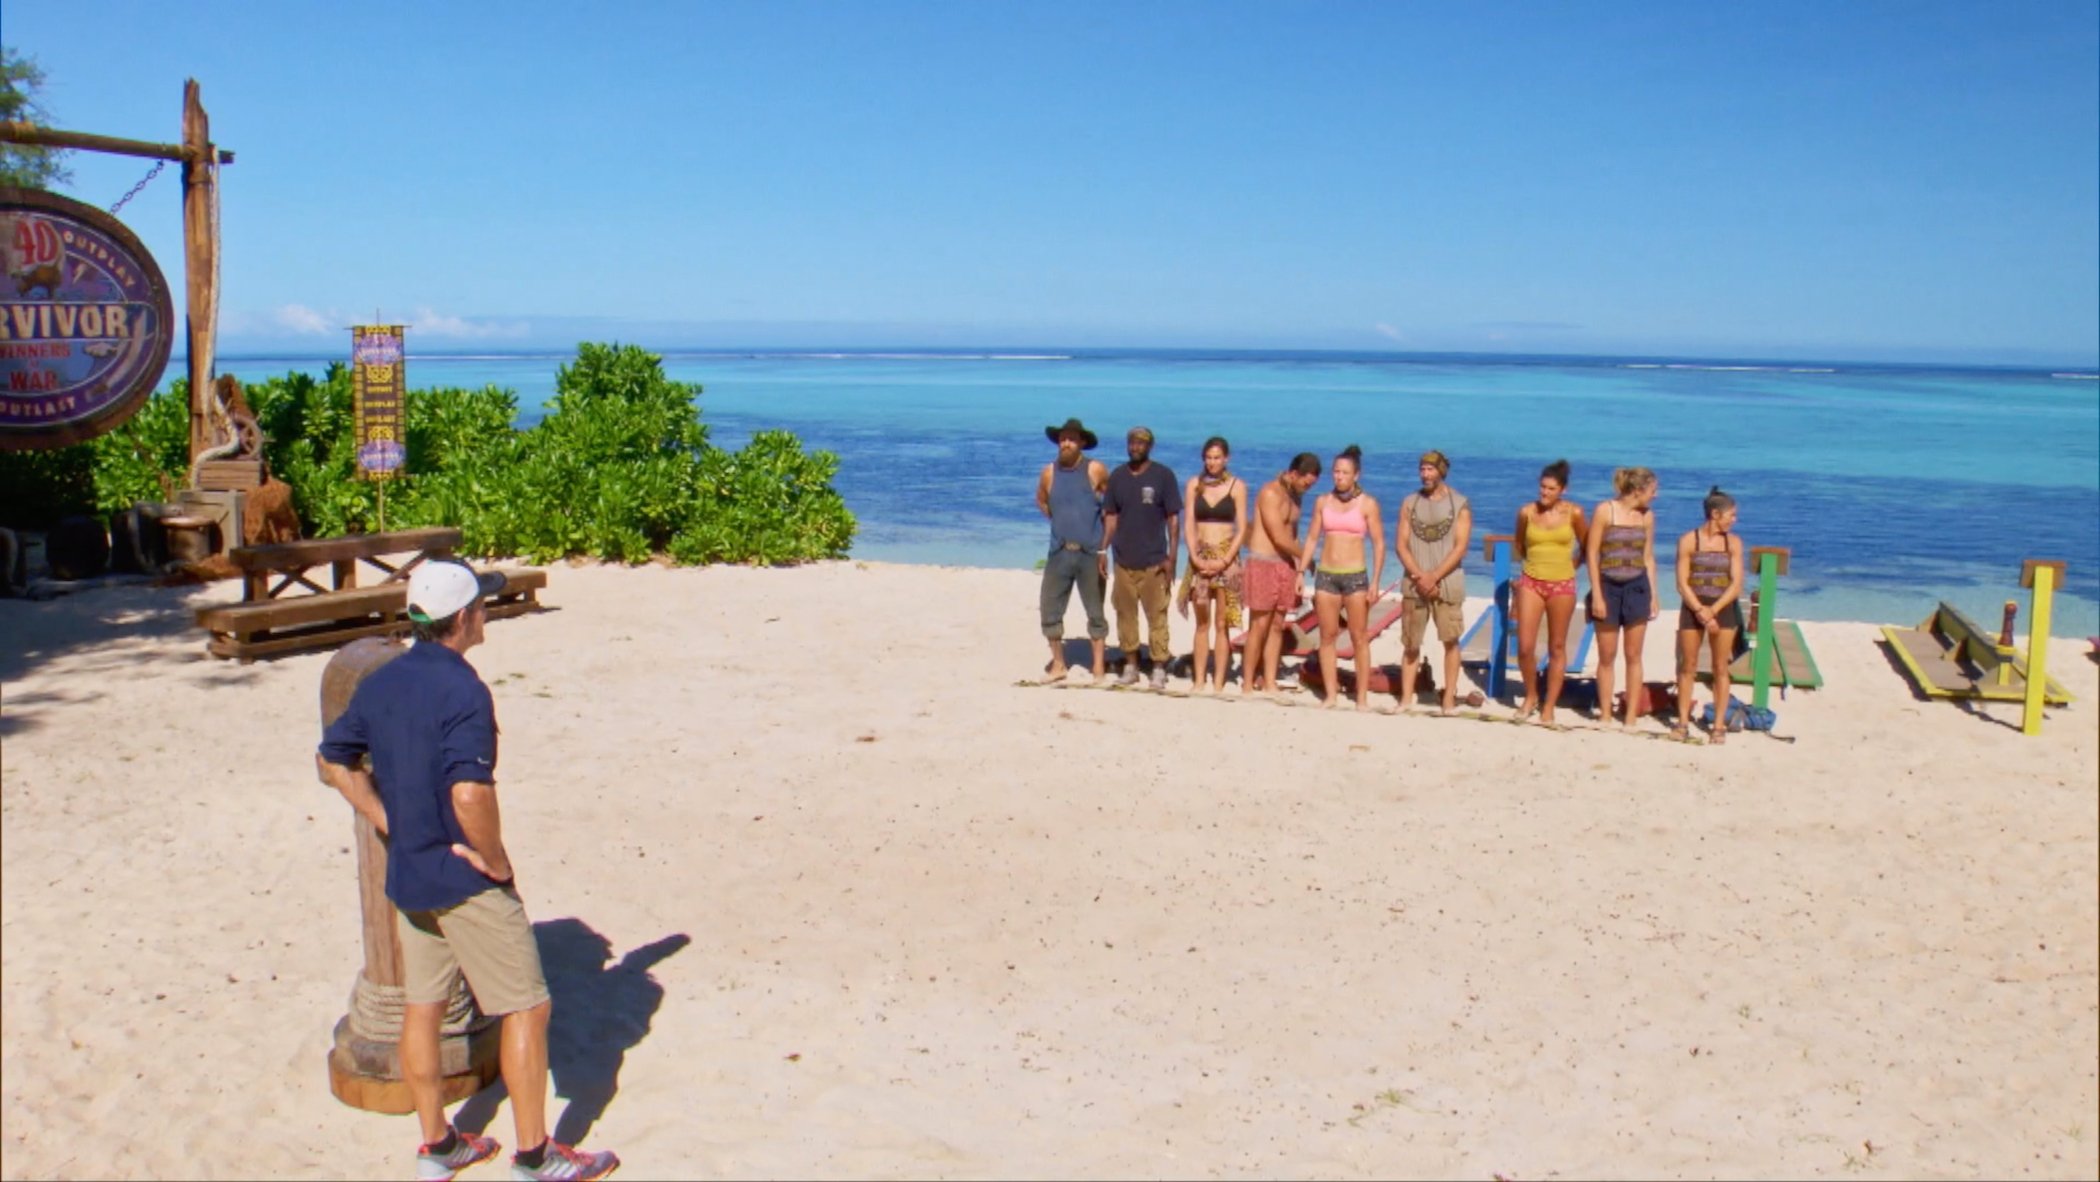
(1143, 510)
(1435, 527)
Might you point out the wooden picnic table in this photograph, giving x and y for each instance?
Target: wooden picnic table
(269, 622)
(392, 553)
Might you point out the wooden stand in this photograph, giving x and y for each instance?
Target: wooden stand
(1951, 656)
(364, 1067)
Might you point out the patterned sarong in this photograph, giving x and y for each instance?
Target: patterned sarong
(1200, 589)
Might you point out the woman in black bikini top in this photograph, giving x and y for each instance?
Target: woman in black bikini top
(1215, 529)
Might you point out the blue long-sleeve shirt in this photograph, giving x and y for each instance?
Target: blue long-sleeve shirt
(428, 723)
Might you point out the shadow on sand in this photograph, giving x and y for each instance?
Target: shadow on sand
(601, 1011)
(1973, 709)
(128, 622)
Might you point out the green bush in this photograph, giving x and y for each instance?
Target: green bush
(769, 503)
(144, 460)
(39, 487)
(619, 469)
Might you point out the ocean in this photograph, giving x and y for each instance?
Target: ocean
(1895, 486)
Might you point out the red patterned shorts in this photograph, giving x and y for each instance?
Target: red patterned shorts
(1547, 589)
(1272, 584)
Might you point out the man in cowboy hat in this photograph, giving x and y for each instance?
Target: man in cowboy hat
(1069, 494)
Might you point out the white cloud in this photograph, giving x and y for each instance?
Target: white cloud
(431, 323)
(305, 321)
(1389, 332)
(427, 323)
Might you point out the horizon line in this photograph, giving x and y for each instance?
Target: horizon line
(1065, 352)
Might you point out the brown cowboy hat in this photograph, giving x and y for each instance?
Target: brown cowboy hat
(1088, 441)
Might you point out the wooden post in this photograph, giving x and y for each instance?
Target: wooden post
(364, 1066)
(17, 132)
(200, 246)
(1497, 547)
(2042, 577)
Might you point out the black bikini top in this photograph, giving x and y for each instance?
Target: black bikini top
(1224, 510)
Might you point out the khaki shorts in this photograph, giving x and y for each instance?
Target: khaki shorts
(1414, 625)
(488, 938)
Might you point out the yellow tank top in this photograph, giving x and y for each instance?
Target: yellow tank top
(1549, 550)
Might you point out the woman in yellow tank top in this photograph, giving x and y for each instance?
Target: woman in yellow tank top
(1546, 540)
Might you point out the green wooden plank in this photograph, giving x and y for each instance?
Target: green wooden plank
(1797, 665)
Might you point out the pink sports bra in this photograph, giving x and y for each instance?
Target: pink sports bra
(1337, 518)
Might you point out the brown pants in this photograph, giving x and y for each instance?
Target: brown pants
(1151, 587)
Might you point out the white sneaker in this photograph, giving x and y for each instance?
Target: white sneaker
(1159, 677)
(1129, 675)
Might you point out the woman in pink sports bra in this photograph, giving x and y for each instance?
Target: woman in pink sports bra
(1342, 522)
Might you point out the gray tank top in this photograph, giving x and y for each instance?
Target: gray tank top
(1075, 508)
(1431, 534)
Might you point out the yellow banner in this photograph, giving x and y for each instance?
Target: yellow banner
(379, 392)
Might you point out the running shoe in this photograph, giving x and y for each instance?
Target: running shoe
(1130, 674)
(562, 1163)
(439, 1167)
(1159, 677)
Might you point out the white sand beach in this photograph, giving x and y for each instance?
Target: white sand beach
(942, 925)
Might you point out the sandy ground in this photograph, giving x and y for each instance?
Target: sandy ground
(941, 925)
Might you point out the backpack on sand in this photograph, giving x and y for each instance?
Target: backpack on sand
(1741, 717)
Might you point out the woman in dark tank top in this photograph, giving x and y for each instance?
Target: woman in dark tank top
(1215, 529)
(1709, 581)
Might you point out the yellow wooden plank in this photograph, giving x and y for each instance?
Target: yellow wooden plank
(1932, 667)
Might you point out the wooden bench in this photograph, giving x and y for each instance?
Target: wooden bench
(269, 622)
(392, 554)
(297, 623)
(1941, 652)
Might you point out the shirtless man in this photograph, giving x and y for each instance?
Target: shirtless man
(1272, 579)
(1069, 494)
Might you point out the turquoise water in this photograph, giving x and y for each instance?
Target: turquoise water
(1894, 486)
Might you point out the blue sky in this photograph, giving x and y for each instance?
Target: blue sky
(1902, 181)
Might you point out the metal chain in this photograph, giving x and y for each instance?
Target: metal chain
(135, 188)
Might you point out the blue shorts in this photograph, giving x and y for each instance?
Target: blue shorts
(1627, 603)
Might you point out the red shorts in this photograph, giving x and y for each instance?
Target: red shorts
(1272, 584)
(1545, 588)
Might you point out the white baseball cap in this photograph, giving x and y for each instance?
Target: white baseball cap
(439, 588)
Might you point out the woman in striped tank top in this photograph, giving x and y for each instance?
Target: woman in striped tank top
(1622, 584)
(1709, 579)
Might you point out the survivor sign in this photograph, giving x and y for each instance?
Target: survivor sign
(377, 392)
(85, 321)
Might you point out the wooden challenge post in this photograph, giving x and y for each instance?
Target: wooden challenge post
(1496, 549)
(1771, 562)
(2041, 575)
(364, 1066)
